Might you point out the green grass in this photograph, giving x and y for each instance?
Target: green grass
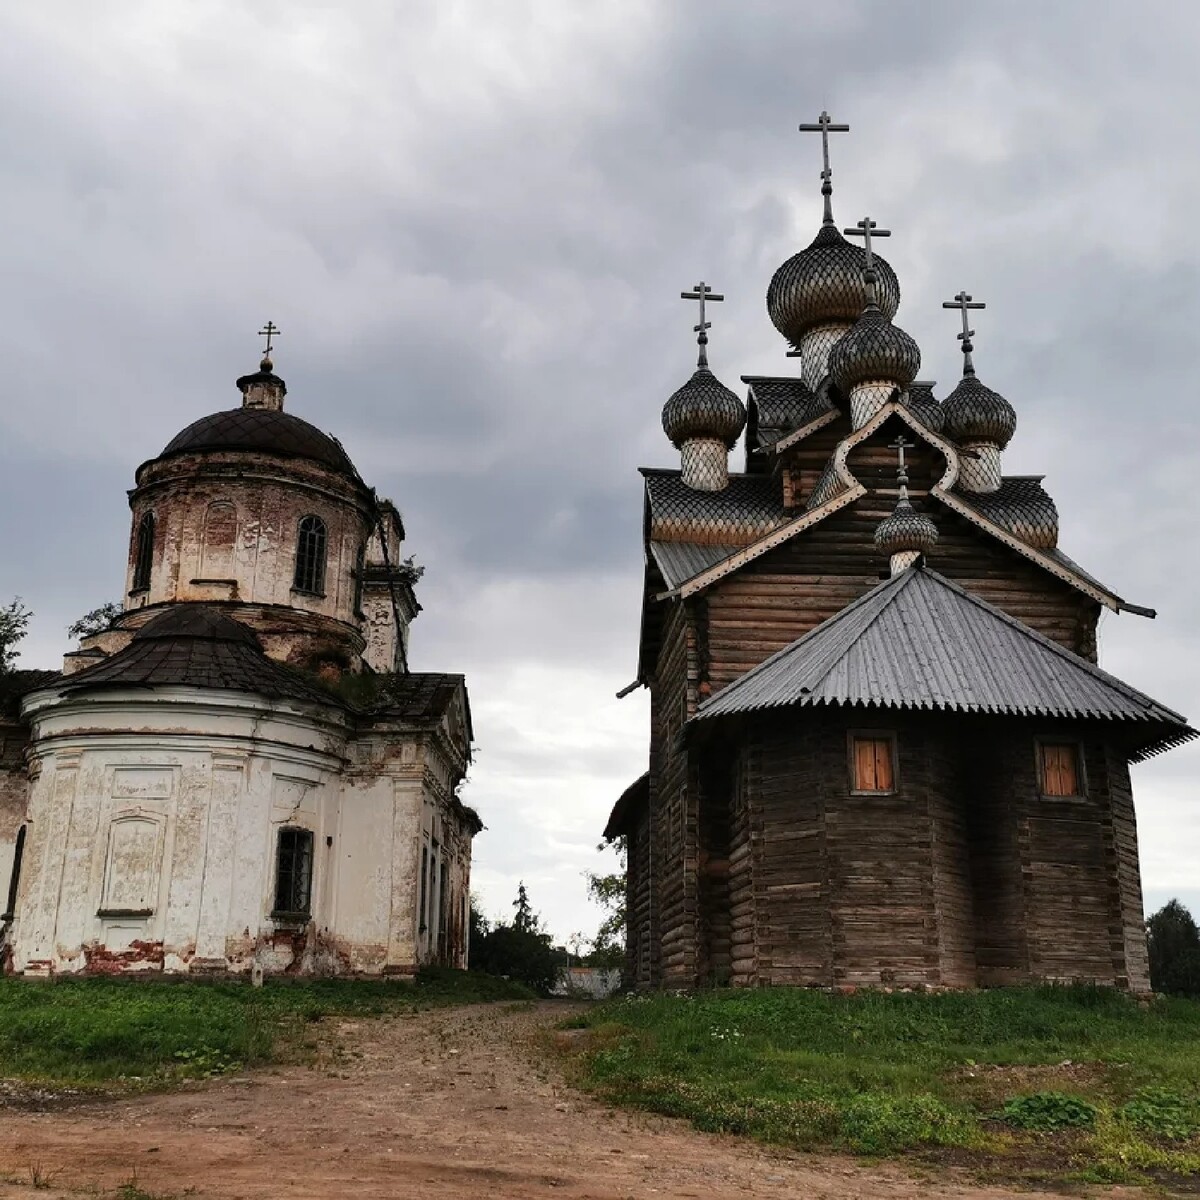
(1076, 1080)
(95, 1032)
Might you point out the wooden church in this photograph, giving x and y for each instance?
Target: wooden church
(881, 749)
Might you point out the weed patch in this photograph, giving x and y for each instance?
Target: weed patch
(147, 1033)
(1080, 1080)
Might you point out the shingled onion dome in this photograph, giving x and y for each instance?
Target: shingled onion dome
(921, 402)
(907, 534)
(704, 420)
(817, 295)
(871, 362)
(980, 420)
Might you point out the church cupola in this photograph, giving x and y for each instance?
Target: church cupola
(875, 358)
(816, 296)
(264, 389)
(704, 418)
(979, 420)
(907, 534)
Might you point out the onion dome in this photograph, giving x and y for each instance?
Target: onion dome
(874, 349)
(905, 530)
(974, 413)
(704, 408)
(825, 283)
(920, 401)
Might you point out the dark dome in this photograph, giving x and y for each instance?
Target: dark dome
(824, 283)
(704, 407)
(874, 349)
(974, 413)
(264, 430)
(195, 621)
(906, 529)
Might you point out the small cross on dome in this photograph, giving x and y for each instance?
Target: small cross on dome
(962, 301)
(270, 331)
(701, 292)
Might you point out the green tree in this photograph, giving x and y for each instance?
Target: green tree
(14, 625)
(515, 950)
(1173, 939)
(608, 947)
(95, 621)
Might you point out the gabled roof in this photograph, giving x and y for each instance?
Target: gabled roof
(918, 641)
(419, 698)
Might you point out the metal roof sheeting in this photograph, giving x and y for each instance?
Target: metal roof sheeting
(679, 561)
(918, 641)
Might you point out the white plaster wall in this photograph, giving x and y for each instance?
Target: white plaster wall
(207, 805)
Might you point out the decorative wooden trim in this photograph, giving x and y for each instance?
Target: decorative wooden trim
(798, 435)
(1107, 599)
(855, 490)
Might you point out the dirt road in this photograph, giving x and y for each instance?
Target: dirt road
(448, 1104)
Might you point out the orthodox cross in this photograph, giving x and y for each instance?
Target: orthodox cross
(900, 445)
(701, 292)
(867, 229)
(269, 331)
(962, 301)
(824, 126)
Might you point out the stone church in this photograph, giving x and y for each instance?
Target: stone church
(241, 773)
(881, 749)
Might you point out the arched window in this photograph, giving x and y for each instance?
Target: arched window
(310, 557)
(144, 559)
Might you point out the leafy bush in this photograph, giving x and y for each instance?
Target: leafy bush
(1162, 1113)
(1047, 1111)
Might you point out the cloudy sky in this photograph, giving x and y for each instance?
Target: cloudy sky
(472, 222)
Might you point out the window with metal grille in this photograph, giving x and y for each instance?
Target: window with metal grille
(144, 555)
(293, 872)
(1059, 769)
(310, 557)
(873, 763)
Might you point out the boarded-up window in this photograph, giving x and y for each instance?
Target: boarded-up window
(1060, 769)
(131, 870)
(293, 872)
(872, 763)
(220, 533)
